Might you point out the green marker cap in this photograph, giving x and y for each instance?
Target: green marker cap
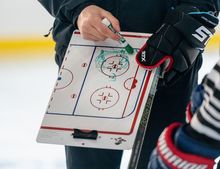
(129, 49)
(122, 40)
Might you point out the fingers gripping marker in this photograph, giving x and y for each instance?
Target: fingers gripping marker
(122, 40)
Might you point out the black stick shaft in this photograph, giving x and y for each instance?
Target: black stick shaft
(136, 150)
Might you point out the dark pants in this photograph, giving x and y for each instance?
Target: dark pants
(169, 106)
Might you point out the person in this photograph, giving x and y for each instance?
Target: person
(195, 144)
(139, 16)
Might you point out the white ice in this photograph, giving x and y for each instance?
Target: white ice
(25, 88)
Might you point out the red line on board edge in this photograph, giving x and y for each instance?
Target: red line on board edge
(125, 35)
(108, 132)
(56, 128)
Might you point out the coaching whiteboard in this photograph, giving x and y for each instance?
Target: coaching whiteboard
(100, 88)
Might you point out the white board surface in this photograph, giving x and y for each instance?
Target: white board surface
(100, 88)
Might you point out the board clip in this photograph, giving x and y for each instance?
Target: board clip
(85, 134)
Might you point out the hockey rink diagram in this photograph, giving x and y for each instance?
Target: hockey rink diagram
(115, 95)
(100, 87)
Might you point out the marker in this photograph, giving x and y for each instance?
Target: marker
(122, 40)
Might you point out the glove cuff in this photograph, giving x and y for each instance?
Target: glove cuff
(175, 158)
(141, 61)
(193, 145)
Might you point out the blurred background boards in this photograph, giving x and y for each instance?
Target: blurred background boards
(27, 75)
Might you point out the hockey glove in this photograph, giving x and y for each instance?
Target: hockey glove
(178, 42)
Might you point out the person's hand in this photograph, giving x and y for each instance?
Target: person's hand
(91, 27)
(178, 42)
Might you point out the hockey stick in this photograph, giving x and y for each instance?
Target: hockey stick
(136, 150)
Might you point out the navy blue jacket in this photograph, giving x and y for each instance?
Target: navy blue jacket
(133, 15)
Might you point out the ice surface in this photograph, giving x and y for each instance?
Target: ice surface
(25, 89)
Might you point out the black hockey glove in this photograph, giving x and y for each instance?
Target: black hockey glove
(178, 42)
